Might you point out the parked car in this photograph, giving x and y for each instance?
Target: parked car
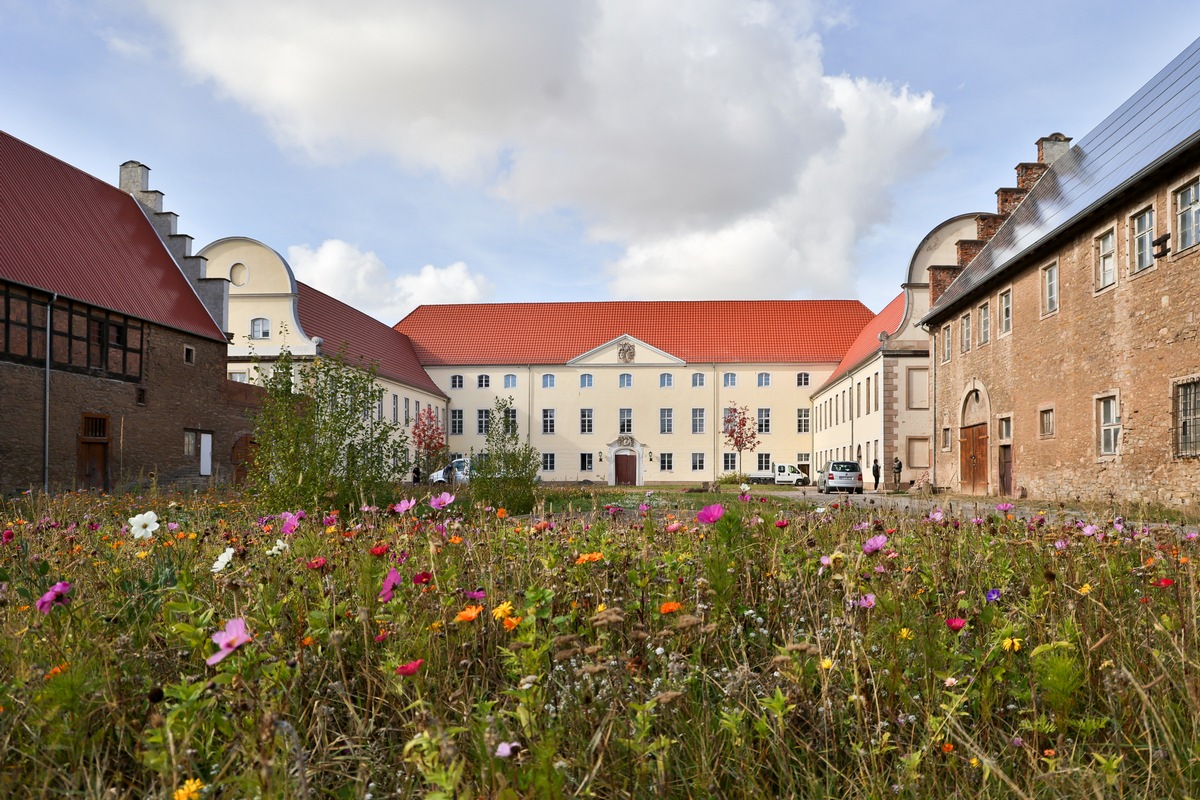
(786, 474)
(461, 468)
(840, 476)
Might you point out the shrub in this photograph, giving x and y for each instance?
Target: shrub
(504, 475)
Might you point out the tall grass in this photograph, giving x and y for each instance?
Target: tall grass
(620, 649)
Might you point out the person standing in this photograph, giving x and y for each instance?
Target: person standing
(416, 474)
(875, 471)
(897, 465)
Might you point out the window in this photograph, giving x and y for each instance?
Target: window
(1143, 238)
(1004, 428)
(379, 407)
(483, 420)
(985, 324)
(665, 380)
(260, 328)
(764, 379)
(697, 420)
(729, 462)
(1186, 419)
(1004, 321)
(697, 462)
(625, 380)
(729, 380)
(1106, 259)
(483, 381)
(585, 462)
(1187, 215)
(547, 420)
(510, 420)
(191, 441)
(764, 462)
(964, 334)
(585, 420)
(189, 355)
(585, 380)
(945, 343)
(802, 379)
(802, 420)
(666, 462)
(697, 380)
(395, 408)
(1109, 416)
(547, 462)
(945, 438)
(803, 458)
(916, 380)
(239, 377)
(764, 420)
(666, 420)
(456, 381)
(406, 416)
(510, 381)
(456, 422)
(1050, 289)
(625, 420)
(1046, 422)
(548, 381)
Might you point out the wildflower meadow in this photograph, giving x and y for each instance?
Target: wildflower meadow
(644, 644)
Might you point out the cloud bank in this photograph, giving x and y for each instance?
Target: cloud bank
(702, 137)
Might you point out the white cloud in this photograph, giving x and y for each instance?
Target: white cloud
(361, 279)
(702, 136)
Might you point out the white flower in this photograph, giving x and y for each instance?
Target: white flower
(280, 546)
(745, 488)
(144, 525)
(223, 560)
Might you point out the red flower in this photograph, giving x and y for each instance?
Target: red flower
(409, 669)
(956, 624)
(318, 563)
(781, 523)
(379, 549)
(422, 577)
(1162, 583)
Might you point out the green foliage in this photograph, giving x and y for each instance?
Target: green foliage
(321, 439)
(506, 473)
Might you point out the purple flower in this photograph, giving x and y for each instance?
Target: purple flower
(992, 595)
(867, 601)
(290, 523)
(1004, 508)
(1090, 530)
(506, 749)
(403, 506)
(744, 497)
(58, 595)
(441, 501)
(478, 594)
(1061, 544)
(228, 640)
(936, 515)
(390, 582)
(710, 514)
(875, 544)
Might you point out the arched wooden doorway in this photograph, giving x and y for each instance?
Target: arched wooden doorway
(973, 442)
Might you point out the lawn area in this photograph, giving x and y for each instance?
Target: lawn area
(614, 645)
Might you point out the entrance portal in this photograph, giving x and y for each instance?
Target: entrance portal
(972, 451)
(626, 469)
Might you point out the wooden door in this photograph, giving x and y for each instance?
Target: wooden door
(972, 459)
(626, 464)
(1005, 474)
(243, 457)
(91, 464)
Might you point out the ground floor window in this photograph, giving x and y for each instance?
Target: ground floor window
(697, 461)
(764, 462)
(547, 462)
(729, 462)
(1186, 419)
(1109, 419)
(666, 462)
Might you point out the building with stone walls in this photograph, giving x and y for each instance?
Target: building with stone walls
(1067, 339)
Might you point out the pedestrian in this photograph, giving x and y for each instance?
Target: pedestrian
(416, 475)
(897, 465)
(875, 471)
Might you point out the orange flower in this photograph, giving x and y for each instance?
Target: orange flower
(511, 622)
(501, 513)
(307, 641)
(1049, 752)
(541, 526)
(468, 614)
(947, 748)
(585, 558)
(455, 540)
(669, 607)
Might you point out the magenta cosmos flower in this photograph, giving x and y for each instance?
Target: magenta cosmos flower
(956, 624)
(441, 501)
(403, 506)
(390, 583)
(58, 595)
(875, 544)
(710, 514)
(228, 640)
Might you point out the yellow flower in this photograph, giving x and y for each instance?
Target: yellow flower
(827, 663)
(190, 790)
(142, 553)
(905, 634)
(1085, 589)
(503, 611)
(974, 762)
(601, 607)
(1011, 644)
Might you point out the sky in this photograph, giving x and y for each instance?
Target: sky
(399, 153)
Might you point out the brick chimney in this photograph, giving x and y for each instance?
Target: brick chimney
(214, 292)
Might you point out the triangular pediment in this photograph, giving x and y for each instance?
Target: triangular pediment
(625, 350)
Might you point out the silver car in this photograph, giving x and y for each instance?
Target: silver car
(840, 476)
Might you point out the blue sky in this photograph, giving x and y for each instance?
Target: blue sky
(468, 150)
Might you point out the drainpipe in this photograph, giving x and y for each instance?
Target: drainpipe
(46, 397)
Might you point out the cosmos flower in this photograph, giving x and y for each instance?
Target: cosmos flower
(409, 669)
(874, 544)
(228, 640)
(223, 560)
(867, 601)
(390, 582)
(422, 578)
(441, 501)
(59, 595)
(710, 514)
(403, 506)
(143, 525)
(280, 546)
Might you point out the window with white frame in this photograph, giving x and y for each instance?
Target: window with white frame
(585, 420)
(260, 328)
(483, 420)
(729, 380)
(1108, 419)
(803, 420)
(1004, 318)
(625, 380)
(625, 420)
(1105, 248)
(1185, 419)
(666, 462)
(456, 422)
(1187, 216)
(510, 381)
(1004, 429)
(729, 462)
(239, 377)
(697, 462)
(585, 462)
(764, 462)
(665, 380)
(585, 380)
(510, 420)
(547, 462)
(406, 415)
(803, 458)
(697, 420)
(964, 332)
(945, 343)
(1143, 239)
(1046, 423)
(1049, 288)
(483, 381)
(548, 381)
(697, 380)
(802, 379)
(666, 420)
(764, 420)
(547, 420)
(764, 379)
(456, 381)
(985, 323)
(395, 408)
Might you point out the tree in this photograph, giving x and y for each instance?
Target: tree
(429, 441)
(740, 430)
(504, 475)
(322, 438)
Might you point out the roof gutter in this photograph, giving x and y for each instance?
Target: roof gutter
(46, 397)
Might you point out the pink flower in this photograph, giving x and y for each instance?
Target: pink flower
(8, 535)
(673, 527)
(956, 624)
(506, 749)
(781, 523)
(710, 514)
(58, 595)
(422, 577)
(403, 506)
(290, 523)
(409, 669)
(874, 544)
(317, 563)
(441, 501)
(228, 640)
(867, 601)
(330, 519)
(390, 582)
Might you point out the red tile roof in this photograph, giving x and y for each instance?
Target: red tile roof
(727, 331)
(364, 337)
(867, 342)
(64, 231)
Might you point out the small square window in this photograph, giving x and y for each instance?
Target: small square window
(1004, 428)
(666, 462)
(697, 462)
(729, 462)
(585, 462)
(547, 462)
(764, 462)
(189, 355)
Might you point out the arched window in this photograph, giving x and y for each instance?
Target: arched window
(260, 328)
